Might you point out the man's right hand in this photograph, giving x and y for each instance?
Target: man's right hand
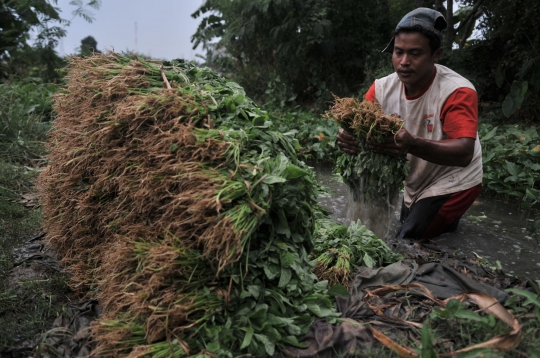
(347, 142)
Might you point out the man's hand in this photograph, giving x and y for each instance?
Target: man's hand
(396, 145)
(347, 142)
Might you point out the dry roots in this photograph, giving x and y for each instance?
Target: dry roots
(366, 119)
(125, 167)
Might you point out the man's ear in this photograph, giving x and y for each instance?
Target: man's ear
(438, 54)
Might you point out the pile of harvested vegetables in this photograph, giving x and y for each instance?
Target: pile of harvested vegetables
(171, 202)
(371, 176)
(341, 250)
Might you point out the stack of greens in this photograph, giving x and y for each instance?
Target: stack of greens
(340, 250)
(371, 176)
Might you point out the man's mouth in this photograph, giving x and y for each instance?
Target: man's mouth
(405, 73)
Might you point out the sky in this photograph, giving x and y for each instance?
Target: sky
(163, 30)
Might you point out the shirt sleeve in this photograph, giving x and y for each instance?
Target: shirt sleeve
(370, 94)
(459, 114)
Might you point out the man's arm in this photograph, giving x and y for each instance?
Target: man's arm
(451, 152)
(460, 123)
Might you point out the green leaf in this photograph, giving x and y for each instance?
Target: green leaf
(269, 347)
(490, 134)
(368, 261)
(339, 290)
(514, 99)
(286, 259)
(254, 290)
(293, 172)
(272, 179)
(513, 168)
(427, 350)
(271, 271)
(478, 353)
(283, 225)
(285, 277)
(213, 346)
(315, 309)
(293, 341)
(530, 296)
(260, 312)
(473, 316)
(247, 338)
(526, 65)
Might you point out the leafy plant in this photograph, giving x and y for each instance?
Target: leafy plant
(340, 250)
(25, 107)
(511, 161)
(314, 133)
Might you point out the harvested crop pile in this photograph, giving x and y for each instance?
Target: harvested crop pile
(372, 176)
(171, 201)
(340, 250)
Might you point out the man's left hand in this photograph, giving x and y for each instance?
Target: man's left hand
(397, 145)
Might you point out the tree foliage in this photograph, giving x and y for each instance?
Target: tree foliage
(309, 49)
(20, 18)
(505, 63)
(312, 45)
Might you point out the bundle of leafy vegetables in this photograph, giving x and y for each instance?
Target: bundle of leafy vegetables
(340, 250)
(371, 176)
(172, 201)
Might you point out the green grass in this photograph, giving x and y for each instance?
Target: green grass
(31, 294)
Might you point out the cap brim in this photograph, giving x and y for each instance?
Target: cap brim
(390, 47)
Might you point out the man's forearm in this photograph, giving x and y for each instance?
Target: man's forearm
(451, 152)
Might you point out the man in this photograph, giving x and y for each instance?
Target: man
(440, 137)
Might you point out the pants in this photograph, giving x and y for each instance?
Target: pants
(433, 216)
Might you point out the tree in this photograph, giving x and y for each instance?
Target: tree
(505, 63)
(88, 46)
(314, 46)
(18, 18)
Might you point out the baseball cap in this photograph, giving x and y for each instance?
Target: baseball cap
(426, 18)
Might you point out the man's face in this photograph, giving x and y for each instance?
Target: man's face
(412, 59)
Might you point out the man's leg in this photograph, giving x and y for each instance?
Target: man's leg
(430, 217)
(448, 216)
(417, 219)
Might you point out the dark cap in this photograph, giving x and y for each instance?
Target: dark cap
(428, 19)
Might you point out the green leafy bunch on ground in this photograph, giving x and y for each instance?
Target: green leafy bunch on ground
(340, 250)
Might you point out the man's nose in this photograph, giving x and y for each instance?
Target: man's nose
(404, 60)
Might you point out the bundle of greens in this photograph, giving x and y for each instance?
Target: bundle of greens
(171, 201)
(371, 176)
(340, 250)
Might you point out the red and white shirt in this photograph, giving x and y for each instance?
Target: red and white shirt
(446, 109)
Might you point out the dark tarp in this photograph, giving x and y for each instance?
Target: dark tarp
(327, 340)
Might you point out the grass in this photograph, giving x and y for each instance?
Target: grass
(32, 294)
